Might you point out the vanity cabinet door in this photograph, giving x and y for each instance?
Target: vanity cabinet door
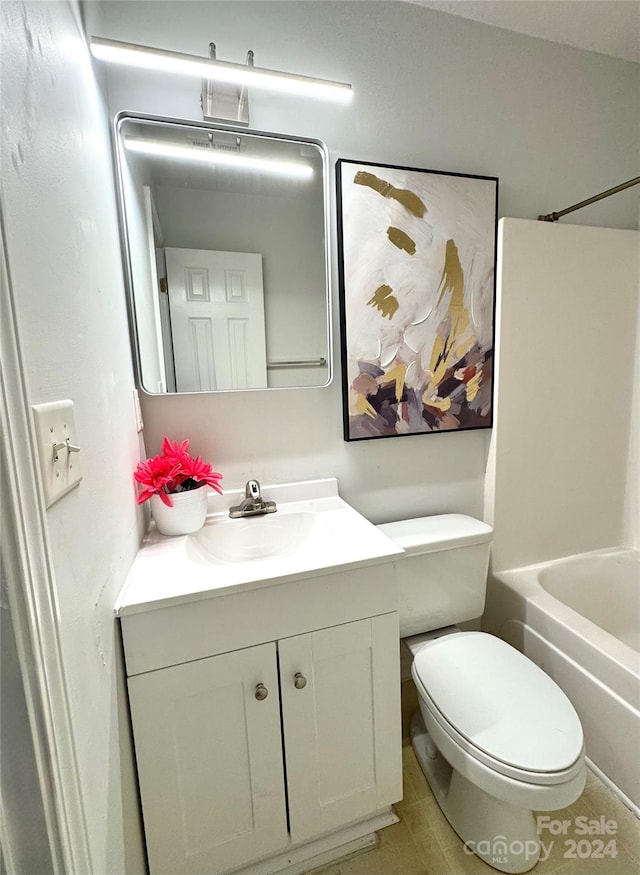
(209, 753)
(342, 732)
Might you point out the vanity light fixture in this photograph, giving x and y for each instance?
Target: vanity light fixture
(210, 155)
(164, 61)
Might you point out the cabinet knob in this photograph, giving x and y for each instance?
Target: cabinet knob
(299, 681)
(261, 692)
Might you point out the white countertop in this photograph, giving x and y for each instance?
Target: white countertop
(172, 570)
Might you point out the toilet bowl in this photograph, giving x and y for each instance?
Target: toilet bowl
(496, 738)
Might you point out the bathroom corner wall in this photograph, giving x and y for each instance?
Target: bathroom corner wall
(632, 495)
(63, 256)
(632, 505)
(559, 456)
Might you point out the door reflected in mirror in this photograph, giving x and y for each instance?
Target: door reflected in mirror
(226, 251)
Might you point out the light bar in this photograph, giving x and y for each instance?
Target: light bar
(208, 155)
(149, 58)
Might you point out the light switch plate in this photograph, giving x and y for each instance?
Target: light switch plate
(60, 469)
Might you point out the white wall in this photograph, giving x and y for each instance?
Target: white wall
(63, 257)
(568, 301)
(632, 495)
(431, 90)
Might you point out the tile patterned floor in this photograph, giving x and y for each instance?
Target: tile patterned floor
(423, 843)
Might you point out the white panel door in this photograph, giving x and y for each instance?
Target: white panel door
(209, 758)
(342, 729)
(217, 319)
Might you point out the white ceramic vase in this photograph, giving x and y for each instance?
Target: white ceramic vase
(187, 514)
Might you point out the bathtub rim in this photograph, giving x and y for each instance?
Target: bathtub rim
(610, 661)
(527, 584)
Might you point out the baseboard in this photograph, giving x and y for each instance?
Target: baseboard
(359, 836)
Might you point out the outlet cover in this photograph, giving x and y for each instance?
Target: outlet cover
(57, 448)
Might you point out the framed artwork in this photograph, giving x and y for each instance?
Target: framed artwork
(417, 252)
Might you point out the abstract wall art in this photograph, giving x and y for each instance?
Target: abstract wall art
(417, 253)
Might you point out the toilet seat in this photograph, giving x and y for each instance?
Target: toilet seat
(500, 708)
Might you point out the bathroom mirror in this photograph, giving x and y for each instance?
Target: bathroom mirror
(225, 232)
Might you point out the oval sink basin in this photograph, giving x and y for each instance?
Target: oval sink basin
(244, 540)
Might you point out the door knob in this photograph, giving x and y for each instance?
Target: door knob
(261, 692)
(299, 681)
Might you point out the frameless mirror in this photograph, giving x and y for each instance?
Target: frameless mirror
(225, 233)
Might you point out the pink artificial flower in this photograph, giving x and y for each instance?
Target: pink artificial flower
(174, 450)
(155, 474)
(202, 472)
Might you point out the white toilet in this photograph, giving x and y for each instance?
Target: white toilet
(496, 738)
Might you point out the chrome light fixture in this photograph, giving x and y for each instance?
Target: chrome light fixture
(149, 58)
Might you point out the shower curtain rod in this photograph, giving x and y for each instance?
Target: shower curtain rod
(553, 217)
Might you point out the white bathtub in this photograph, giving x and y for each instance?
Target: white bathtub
(579, 620)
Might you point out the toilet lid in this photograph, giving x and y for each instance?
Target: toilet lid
(500, 701)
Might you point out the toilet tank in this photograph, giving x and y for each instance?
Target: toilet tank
(442, 577)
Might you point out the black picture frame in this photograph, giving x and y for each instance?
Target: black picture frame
(416, 258)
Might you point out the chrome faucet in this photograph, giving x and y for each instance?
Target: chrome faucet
(253, 503)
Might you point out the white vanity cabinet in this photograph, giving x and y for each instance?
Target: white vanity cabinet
(209, 758)
(338, 730)
(265, 719)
